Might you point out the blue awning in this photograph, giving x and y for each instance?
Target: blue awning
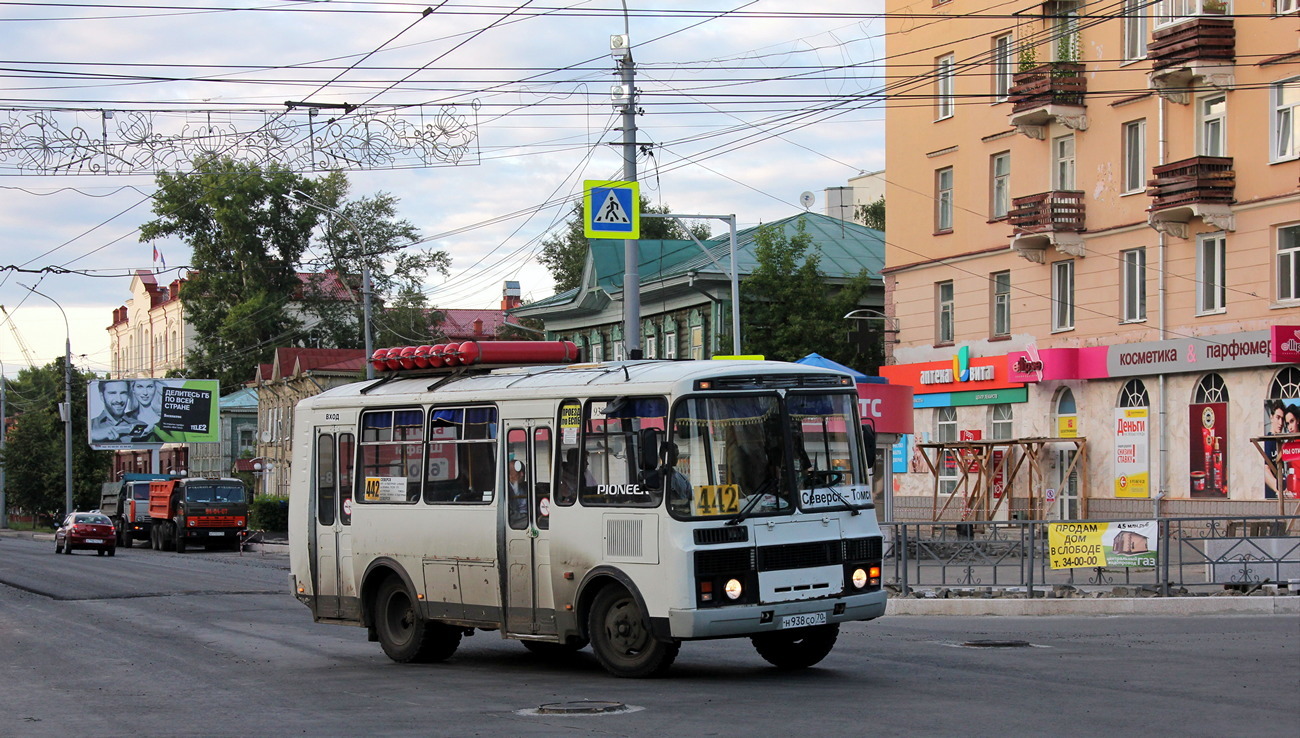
(816, 359)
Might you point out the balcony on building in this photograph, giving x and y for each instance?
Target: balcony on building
(1047, 220)
(1197, 50)
(1199, 187)
(1049, 93)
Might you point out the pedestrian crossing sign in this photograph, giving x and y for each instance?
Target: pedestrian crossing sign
(611, 209)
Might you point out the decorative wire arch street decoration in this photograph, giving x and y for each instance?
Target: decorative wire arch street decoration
(98, 142)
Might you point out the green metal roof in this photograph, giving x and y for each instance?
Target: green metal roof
(846, 249)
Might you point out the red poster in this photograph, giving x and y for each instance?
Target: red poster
(1208, 442)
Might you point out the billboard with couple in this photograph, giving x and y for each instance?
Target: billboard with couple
(147, 412)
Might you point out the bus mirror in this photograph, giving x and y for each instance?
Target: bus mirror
(647, 445)
(668, 452)
(869, 441)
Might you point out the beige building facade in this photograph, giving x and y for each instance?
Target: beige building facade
(1106, 260)
(149, 335)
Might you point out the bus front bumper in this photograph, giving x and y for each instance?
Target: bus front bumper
(744, 620)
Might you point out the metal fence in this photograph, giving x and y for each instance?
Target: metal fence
(1195, 555)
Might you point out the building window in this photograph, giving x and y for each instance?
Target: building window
(1212, 113)
(999, 422)
(945, 104)
(1063, 162)
(1286, 119)
(1134, 394)
(1001, 304)
(943, 297)
(943, 200)
(1135, 156)
(1286, 6)
(1065, 30)
(1003, 66)
(1288, 263)
(1135, 29)
(1210, 389)
(1000, 185)
(1133, 285)
(1211, 295)
(1063, 296)
(597, 347)
(697, 342)
(1169, 12)
(650, 344)
(945, 431)
(670, 344)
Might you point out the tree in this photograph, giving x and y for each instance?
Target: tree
(786, 311)
(34, 451)
(249, 241)
(246, 239)
(564, 253)
(872, 214)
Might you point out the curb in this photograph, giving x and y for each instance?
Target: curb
(1155, 606)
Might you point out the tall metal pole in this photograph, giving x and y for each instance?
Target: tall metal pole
(4, 510)
(311, 202)
(66, 409)
(67, 415)
(631, 267)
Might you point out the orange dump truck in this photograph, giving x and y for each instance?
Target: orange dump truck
(197, 512)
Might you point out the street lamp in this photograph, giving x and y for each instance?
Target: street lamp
(303, 198)
(65, 409)
(263, 472)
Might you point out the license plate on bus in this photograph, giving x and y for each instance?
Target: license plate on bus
(216, 533)
(803, 620)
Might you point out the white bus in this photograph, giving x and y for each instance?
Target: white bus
(630, 505)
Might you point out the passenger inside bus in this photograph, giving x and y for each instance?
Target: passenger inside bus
(517, 494)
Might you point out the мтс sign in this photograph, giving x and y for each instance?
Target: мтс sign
(611, 209)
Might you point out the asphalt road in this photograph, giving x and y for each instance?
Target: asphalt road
(152, 643)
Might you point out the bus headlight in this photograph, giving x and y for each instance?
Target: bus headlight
(859, 578)
(733, 589)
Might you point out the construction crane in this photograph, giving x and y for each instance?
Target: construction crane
(18, 338)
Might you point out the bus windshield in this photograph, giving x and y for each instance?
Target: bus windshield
(214, 493)
(825, 443)
(731, 457)
(735, 457)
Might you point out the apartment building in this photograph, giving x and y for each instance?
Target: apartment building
(1104, 284)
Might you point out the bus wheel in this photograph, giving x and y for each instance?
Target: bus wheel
(621, 637)
(797, 649)
(404, 635)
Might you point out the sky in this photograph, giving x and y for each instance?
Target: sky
(744, 106)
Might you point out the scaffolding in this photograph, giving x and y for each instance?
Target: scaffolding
(987, 472)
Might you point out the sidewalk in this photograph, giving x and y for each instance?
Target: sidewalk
(1288, 604)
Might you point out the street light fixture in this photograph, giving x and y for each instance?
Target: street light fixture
(65, 409)
(303, 198)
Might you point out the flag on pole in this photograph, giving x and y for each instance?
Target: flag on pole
(158, 257)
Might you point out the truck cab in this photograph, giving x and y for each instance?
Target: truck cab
(211, 513)
(127, 503)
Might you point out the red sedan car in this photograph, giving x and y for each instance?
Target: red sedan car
(90, 530)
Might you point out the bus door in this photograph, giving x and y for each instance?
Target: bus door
(333, 578)
(530, 601)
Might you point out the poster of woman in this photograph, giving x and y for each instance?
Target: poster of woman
(1282, 467)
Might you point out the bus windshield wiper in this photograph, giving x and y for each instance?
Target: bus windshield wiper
(751, 502)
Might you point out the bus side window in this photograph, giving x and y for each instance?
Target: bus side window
(612, 471)
(570, 454)
(347, 449)
(326, 482)
(542, 476)
(460, 460)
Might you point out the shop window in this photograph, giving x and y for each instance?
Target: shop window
(1134, 394)
(945, 431)
(1000, 426)
(1211, 388)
